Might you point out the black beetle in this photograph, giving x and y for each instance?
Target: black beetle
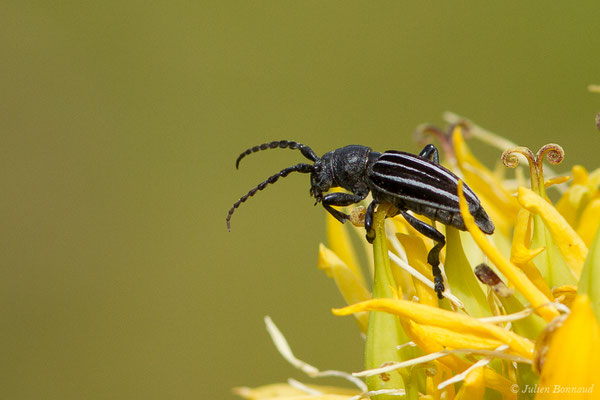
(409, 182)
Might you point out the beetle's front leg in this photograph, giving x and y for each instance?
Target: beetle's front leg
(369, 221)
(433, 258)
(430, 152)
(340, 199)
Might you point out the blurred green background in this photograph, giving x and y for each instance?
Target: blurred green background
(121, 122)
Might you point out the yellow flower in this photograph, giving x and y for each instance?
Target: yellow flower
(536, 298)
(529, 323)
(571, 361)
(348, 281)
(570, 244)
(580, 204)
(448, 320)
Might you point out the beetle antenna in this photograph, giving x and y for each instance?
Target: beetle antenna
(283, 144)
(303, 168)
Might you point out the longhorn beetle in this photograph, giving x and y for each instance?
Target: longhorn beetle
(409, 182)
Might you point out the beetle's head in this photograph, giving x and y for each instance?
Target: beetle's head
(321, 179)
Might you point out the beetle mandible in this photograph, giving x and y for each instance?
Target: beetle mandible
(416, 183)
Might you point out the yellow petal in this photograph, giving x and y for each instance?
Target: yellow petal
(580, 175)
(455, 363)
(432, 382)
(521, 255)
(565, 294)
(520, 252)
(516, 277)
(339, 241)
(583, 189)
(402, 278)
(349, 285)
(572, 359)
(453, 339)
(557, 180)
(589, 221)
(594, 179)
(569, 202)
(473, 387)
(569, 243)
(427, 315)
(403, 226)
(416, 252)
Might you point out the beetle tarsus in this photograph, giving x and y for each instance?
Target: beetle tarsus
(438, 281)
(433, 258)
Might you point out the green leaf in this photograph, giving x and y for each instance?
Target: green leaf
(461, 278)
(550, 262)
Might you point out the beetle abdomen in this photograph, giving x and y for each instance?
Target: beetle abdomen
(417, 184)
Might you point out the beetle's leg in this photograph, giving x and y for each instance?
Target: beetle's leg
(340, 199)
(433, 258)
(430, 152)
(369, 221)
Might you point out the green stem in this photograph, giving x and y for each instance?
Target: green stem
(385, 332)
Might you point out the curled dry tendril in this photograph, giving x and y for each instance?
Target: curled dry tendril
(510, 159)
(553, 152)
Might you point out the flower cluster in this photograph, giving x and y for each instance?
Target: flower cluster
(521, 312)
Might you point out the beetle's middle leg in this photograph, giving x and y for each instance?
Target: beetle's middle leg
(430, 152)
(340, 199)
(433, 258)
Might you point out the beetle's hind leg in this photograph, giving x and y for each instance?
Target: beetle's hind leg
(433, 258)
(340, 199)
(431, 153)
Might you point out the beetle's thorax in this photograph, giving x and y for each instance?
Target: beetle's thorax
(345, 167)
(349, 165)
